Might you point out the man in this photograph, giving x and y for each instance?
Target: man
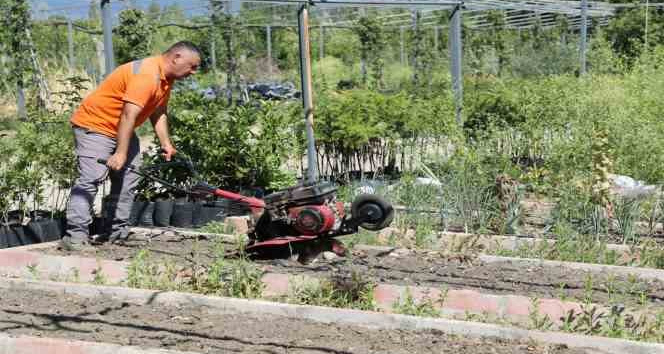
(104, 129)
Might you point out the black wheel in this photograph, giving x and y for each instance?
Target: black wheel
(378, 213)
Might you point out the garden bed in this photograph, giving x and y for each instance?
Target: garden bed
(200, 329)
(412, 268)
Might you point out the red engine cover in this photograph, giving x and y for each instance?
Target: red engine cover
(312, 219)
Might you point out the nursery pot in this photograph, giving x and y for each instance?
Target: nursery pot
(197, 219)
(17, 236)
(183, 214)
(146, 215)
(37, 231)
(136, 210)
(53, 230)
(212, 213)
(163, 209)
(4, 236)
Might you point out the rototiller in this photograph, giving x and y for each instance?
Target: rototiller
(293, 218)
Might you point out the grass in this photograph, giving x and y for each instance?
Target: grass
(573, 247)
(425, 308)
(217, 227)
(353, 292)
(223, 277)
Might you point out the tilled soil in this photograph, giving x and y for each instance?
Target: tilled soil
(166, 247)
(200, 329)
(431, 269)
(412, 268)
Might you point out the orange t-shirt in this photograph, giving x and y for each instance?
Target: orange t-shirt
(140, 82)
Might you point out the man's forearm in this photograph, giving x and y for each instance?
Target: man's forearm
(161, 130)
(125, 131)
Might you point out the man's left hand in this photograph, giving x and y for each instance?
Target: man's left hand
(168, 151)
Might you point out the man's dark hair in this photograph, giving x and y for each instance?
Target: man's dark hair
(183, 45)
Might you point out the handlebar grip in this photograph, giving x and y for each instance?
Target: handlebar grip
(129, 166)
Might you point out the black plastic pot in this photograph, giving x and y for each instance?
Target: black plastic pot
(163, 209)
(146, 215)
(136, 210)
(14, 217)
(37, 231)
(211, 213)
(4, 236)
(53, 230)
(39, 214)
(61, 224)
(197, 219)
(182, 214)
(17, 236)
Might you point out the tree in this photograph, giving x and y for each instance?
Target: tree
(94, 12)
(225, 24)
(15, 22)
(154, 9)
(372, 44)
(133, 36)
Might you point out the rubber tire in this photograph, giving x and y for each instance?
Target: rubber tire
(364, 200)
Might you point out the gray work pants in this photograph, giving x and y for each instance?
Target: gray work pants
(91, 146)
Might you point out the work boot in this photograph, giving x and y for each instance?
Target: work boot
(100, 239)
(67, 243)
(119, 235)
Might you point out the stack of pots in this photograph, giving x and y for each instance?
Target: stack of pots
(177, 213)
(41, 228)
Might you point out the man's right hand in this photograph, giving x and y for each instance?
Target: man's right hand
(116, 162)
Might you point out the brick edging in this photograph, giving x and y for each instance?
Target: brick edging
(455, 302)
(339, 316)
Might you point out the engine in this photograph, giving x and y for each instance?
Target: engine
(302, 210)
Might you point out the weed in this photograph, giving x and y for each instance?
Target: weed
(562, 295)
(537, 321)
(353, 293)
(74, 275)
(236, 278)
(626, 212)
(589, 321)
(588, 289)
(610, 287)
(217, 227)
(408, 306)
(567, 320)
(99, 277)
(32, 269)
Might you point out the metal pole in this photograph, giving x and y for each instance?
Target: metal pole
(213, 53)
(646, 29)
(268, 30)
(70, 42)
(456, 53)
(307, 99)
(584, 35)
(321, 44)
(403, 48)
(100, 58)
(436, 35)
(20, 98)
(108, 35)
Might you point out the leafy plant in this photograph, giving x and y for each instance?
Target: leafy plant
(408, 306)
